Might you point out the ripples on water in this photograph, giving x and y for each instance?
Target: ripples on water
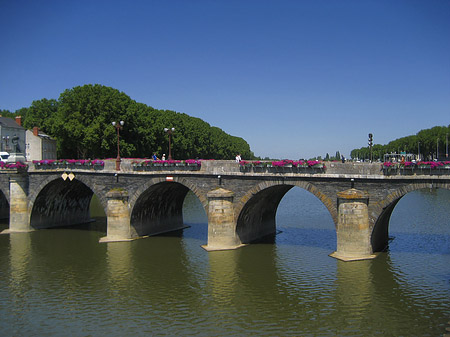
(63, 282)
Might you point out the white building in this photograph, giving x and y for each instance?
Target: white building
(39, 146)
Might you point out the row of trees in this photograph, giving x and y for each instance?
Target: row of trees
(337, 156)
(80, 120)
(429, 144)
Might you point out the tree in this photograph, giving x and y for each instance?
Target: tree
(426, 142)
(85, 115)
(42, 114)
(7, 113)
(80, 120)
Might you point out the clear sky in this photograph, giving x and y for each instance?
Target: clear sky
(295, 79)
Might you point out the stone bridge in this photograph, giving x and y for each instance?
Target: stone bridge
(241, 205)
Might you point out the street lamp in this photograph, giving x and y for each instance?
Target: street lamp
(418, 150)
(437, 148)
(5, 140)
(446, 144)
(118, 126)
(169, 131)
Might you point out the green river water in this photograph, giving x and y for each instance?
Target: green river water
(63, 282)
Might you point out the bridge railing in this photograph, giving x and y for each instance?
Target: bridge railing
(418, 168)
(288, 168)
(64, 164)
(231, 167)
(110, 164)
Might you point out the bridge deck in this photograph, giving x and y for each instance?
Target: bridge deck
(228, 167)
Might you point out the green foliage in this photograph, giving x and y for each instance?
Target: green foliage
(7, 113)
(430, 143)
(41, 113)
(81, 122)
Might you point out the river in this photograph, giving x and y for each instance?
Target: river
(62, 282)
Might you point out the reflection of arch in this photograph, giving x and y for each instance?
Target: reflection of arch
(157, 206)
(382, 212)
(256, 211)
(60, 203)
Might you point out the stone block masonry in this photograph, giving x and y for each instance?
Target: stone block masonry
(241, 206)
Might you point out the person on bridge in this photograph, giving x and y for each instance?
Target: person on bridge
(238, 158)
(154, 157)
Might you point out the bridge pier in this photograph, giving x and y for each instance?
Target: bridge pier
(118, 217)
(221, 221)
(353, 230)
(19, 218)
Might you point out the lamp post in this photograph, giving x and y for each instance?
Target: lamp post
(446, 145)
(169, 131)
(437, 148)
(118, 126)
(5, 140)
(418, 150)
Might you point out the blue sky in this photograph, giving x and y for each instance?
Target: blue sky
(295, 79)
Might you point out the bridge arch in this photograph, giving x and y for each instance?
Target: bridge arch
(93, 187)
(255, 212)
(382, 211)
(59, 202)
(157, 206)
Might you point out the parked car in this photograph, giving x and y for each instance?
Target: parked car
(4, 156)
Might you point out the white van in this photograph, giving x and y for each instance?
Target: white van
(4, 156)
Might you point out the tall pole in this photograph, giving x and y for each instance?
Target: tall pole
(170, 146)
(446, 145)
(418, 150)
(118, 126)
(169, 131)
(437, 148)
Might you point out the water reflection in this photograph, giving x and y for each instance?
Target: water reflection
(63, 282)
(120, 266)
(19, 260)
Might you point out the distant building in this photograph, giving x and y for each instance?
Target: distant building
(39, 146)
(12, 135)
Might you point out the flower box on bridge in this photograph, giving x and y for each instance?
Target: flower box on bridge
(416, 168)
(166, 165)
(283, 166)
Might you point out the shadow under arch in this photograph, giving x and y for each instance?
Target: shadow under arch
(380, 232)
(157, 207)
(4, 206)
(61, 203)
(257, 209)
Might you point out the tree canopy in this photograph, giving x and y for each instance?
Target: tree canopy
(81, 122)
(429, 143)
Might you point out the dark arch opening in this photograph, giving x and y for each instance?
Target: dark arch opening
(159, 209)
(62, 203)
(257, 219)
(418, 208)
(264, 215)
(4, 207)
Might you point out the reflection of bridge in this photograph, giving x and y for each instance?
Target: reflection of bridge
(241, 206)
